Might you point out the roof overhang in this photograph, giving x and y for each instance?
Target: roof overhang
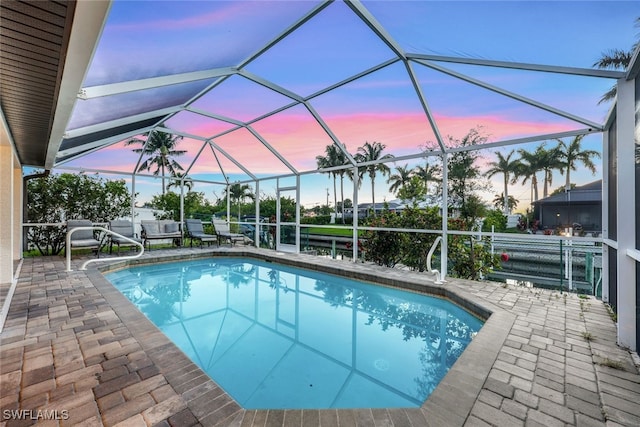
(47, 48)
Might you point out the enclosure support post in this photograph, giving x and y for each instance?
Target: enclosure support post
(445, 217)
(256, 197)
(356, 184)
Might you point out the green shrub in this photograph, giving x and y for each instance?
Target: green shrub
(496, 219)
(57, 198)
(316, 220)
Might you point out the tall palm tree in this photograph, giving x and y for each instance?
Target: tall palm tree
(160, 147)
(399, 179)
(238, 193)
(550, 161)
(428, 173)
(571, 154)
(507, 168)
(529, 165)
(333, 157)
(371, 152)
(342, 159)
(616, 59)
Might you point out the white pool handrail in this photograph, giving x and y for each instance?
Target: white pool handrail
(84, 265)
(439, 277)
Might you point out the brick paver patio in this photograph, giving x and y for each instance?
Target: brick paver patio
(73, 348)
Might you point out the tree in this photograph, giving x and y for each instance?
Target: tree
(194, 205)
(498, 202)
(372, 152)
(530, 164)
(238, 193)
(399, 179)
(343, 160)
(571, 154)
(334, 156)
(428, 173)
(186, 182)
(549, 160)
(57, 198)
(414, 190)
(616, 59)
(464, 177)
(160, 147)
(507, 168)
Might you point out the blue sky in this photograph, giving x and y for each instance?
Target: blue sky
(145, 39)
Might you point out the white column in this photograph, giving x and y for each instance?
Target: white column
(6, 213)
(605, 215)
(256, 196)
(626, 304)
(297, 214)
(356, 184)
(445, 216)
(17, 209)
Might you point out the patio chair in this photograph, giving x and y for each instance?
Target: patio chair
(224, 233)
(83, 239)
(124, 228)
(195, 231)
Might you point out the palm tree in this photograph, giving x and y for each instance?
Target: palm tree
(334, 156)
(498, 201)
(160, 147)
(506, 167)
(187, 182)
(400, 179)
(428, 173)
(616, 59)
(529, 165)
(571, 154)
(550, 161)
(239, 193)
(342, 160)
(371, 152)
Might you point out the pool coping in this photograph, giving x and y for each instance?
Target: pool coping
(211, 405)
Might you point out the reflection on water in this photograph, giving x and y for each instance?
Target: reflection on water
(278, 337)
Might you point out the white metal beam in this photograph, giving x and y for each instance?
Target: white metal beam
(329, 132)
(272, 150)
(85, 149)
(511, 95)
(88, 21)
(535, 138)
(425, 105)
(233, 160)
(86, 130)
(152, 83)
(587, 72)
(376, 27)
(270, 85)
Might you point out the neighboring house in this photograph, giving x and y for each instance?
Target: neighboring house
(580, 205)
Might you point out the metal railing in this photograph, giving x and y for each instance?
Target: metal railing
(105, 230)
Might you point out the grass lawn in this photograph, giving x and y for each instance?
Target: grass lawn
(342, 232)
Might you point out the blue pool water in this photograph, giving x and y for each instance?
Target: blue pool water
(277, 337)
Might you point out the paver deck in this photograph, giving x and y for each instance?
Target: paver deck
(73, 348)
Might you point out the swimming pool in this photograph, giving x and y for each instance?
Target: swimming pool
(274, 336)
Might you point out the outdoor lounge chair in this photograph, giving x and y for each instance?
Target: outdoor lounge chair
(224, 233)
(124, 228)
(195, 231)
(161, 230)
(83, 239)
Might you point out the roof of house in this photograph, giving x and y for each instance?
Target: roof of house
(588, 193)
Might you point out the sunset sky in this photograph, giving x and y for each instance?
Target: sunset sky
(143, 39)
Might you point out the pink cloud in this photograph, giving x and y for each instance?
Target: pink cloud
(201, 20)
